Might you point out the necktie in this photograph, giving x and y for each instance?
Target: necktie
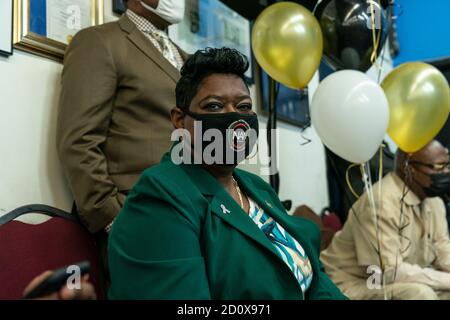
(166, 47)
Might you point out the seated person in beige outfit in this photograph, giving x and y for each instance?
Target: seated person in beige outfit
(412, 239)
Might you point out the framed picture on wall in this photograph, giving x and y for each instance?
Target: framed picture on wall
(6, 27)
(292, 104)
(46, 27)
(210, 23)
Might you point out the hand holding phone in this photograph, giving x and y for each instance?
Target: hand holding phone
(57, 280)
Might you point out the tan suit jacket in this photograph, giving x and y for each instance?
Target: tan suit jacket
(113, 122)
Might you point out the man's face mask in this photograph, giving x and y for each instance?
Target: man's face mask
(171, 11)
(440, 185)
(225, 138)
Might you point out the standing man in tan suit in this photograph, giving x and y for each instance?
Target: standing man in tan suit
(413, 235)
(118, 87)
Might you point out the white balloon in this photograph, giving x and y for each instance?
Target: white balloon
(350, 113)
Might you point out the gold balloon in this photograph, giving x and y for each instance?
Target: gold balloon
(287, 43)
(419, 103)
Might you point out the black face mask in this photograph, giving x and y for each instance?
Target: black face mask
(440, 186)
(238, 135)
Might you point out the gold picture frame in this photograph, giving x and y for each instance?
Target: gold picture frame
(27, 39)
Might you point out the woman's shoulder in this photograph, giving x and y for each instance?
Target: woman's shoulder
(163, 176)
(160, 170)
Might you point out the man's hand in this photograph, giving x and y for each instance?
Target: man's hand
(86, 292)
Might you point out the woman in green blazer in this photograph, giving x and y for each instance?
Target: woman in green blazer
(194, 226)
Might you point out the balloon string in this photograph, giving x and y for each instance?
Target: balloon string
(375, 37)
(373, 56)
(365, 169)
(315, 7)
(352, 212)
(380, 70)
(380, 173)
(347, 178)
(380, 190)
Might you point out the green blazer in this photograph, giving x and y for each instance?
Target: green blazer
(180, 235)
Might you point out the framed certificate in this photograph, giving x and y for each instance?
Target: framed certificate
(45, 27)
(210, 23)
(6, 27)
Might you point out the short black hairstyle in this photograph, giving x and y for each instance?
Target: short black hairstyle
(204, 63)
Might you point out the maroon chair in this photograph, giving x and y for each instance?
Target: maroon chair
(27, 250)
(328, 223)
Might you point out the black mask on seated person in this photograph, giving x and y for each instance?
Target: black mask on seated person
(440, 186)
(239, 134)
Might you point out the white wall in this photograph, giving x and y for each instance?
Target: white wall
(30, 171)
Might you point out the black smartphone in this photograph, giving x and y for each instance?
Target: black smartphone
(57, 280)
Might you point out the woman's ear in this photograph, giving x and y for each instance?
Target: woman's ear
(177, 117)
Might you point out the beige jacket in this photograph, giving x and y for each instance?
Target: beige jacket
(113, 122)
(419, 253)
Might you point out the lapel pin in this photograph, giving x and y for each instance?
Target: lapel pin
(268, 204)
(224, 210)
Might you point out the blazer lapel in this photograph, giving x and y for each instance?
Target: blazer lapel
(143, 44)
(184, 55)
(225, 207)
